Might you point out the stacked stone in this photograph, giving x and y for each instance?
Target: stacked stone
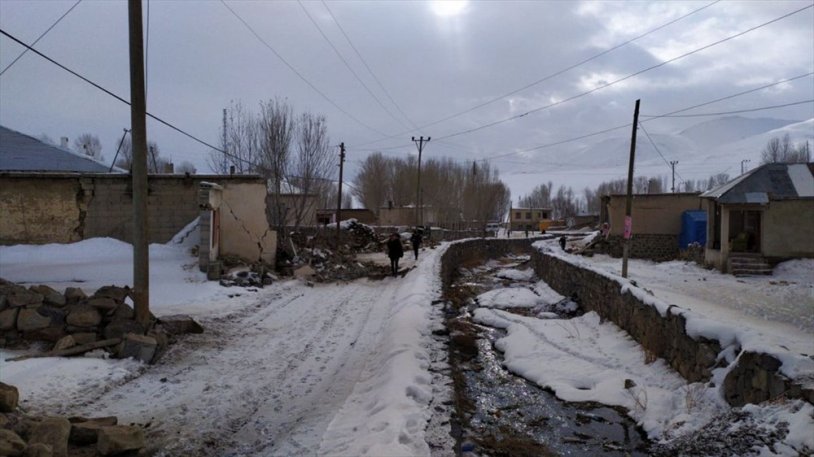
(69, 319)
(28, 436)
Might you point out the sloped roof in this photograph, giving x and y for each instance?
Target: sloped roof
(773, 181)
(20, 152)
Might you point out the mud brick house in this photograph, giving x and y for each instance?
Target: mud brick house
(51, 195)
(656, 223)
(761, 217)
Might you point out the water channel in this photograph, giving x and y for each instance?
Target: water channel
(497, 413)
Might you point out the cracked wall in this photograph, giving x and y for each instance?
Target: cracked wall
(244, 228)
(33, 213)
(40, 208)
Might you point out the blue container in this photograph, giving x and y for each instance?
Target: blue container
(693, 228)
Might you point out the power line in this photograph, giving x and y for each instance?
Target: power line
(557, 73)
(369, 70)
(41, 36)
(347, 65)
(749, 110)
(669, 164)
(624, 78)
(776, 83)
(117, 97)
(296, 72)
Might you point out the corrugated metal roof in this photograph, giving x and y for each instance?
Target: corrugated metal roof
(20, 152)
(774, 181)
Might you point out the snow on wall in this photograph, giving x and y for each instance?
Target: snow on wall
(692, 344)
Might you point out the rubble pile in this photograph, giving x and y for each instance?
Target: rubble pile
(245, 276)
(316, 258)
(23, 435)
(75, 323)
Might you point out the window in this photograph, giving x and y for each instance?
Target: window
(517, 215)
(528, 215)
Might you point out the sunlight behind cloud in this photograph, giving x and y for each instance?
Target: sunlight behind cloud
(448, 8)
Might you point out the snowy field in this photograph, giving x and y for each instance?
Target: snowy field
(343, 369)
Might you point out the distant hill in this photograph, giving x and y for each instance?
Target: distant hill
(724, 130)
(708, 148)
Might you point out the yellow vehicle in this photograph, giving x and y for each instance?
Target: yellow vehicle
(545, 224)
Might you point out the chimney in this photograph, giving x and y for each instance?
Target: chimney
(231, 169)
(63, 142)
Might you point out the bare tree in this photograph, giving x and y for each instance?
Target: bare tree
(372, 183)
(155, 163)
(311, 166)
(89, 145)
(240, 140)
(779, 150)
(275, 131)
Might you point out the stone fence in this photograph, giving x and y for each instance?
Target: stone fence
(754, 378)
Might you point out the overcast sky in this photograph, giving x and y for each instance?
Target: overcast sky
(434, 59)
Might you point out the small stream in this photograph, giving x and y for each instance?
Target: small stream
(498, 413)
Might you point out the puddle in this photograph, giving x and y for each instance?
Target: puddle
(497, 413)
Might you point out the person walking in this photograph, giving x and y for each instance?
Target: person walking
(395, 251)
(562, 242)
(416, 241)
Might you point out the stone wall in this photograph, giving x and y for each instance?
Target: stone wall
(754, 378)
(40, 208)
(644, 246)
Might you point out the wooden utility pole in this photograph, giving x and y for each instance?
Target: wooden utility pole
(420, 144)
(339, 199)
(673, 166)
(629, 201)
(138, 132)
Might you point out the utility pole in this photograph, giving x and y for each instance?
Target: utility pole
(339, 202)
(420, 144)
(138, 131)
(673, 166)
(629, 200)
(743, 162)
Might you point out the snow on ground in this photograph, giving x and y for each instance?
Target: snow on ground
(586, 359)
(510, 297)
(515, 274)
(283, 370)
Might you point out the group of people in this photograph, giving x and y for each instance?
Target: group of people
(395, 250)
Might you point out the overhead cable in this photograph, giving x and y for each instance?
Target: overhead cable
(347, 65)
(297, 72)
(552, 75)
(41, 36)
(624, 78)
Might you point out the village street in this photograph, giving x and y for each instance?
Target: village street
(289, 369)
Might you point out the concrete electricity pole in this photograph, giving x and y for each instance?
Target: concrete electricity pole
(673, 166)
(629, 200)
(138, 132)
(420, 144)
(339, 202)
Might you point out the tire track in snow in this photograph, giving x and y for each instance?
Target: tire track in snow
(263, 380)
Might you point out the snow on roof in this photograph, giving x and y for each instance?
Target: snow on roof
(20, 152)
(773, 181)
(802, 179)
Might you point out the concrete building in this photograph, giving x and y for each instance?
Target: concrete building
(520, 218)
(766, 214)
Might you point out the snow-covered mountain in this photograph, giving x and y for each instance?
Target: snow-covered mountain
(702, 150)
(725, 130)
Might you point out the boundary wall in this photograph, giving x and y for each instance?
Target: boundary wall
(659, 328)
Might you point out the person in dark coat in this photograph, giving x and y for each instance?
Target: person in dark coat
(562, 242)
(395, 251)
(416, 241)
